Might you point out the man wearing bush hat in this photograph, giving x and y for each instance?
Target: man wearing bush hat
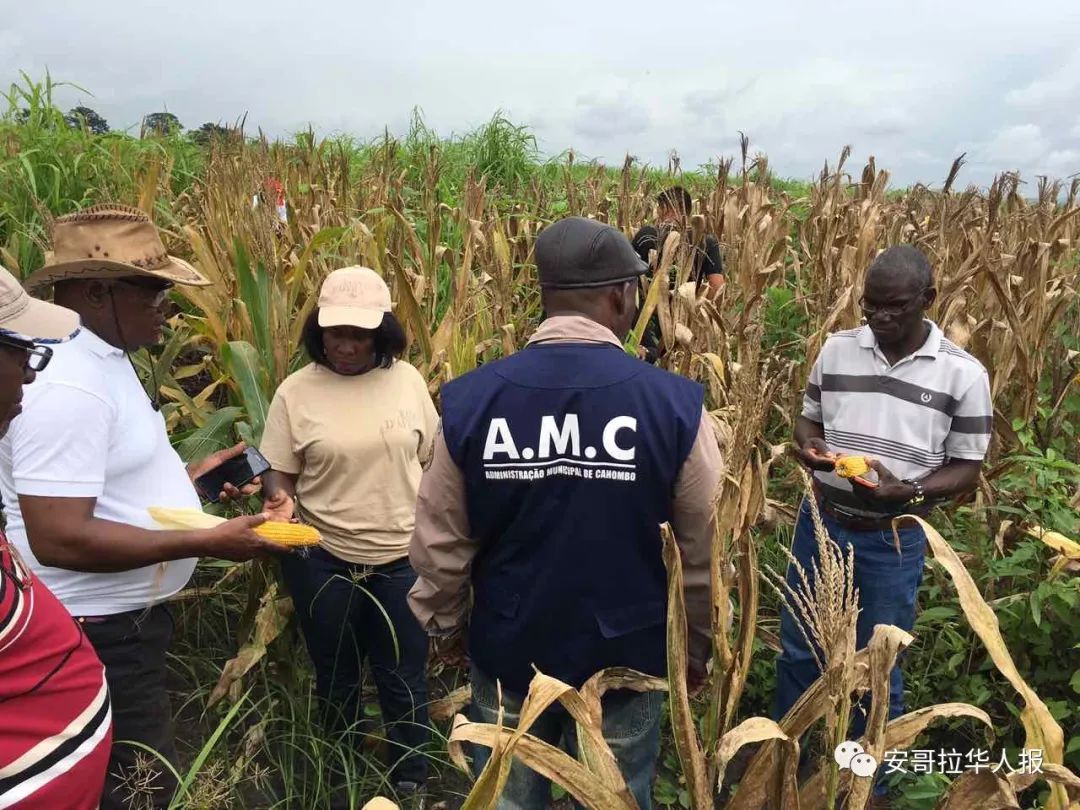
(80, 468)
(553, 472)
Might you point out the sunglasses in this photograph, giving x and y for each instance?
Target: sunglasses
(156, 291)
(890, 309)
(37, 357)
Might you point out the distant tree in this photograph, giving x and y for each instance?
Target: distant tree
(78, 117)
(208, 132)
(161, 123)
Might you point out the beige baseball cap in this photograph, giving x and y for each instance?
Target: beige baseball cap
(354, 296)
(29, 319)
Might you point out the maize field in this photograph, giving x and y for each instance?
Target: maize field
(994, 658)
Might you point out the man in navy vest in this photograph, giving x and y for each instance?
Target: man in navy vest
(553, 472)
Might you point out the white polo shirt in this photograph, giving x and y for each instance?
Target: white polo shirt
(88, 431)
(914, 415)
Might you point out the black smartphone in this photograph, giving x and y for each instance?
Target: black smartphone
(236, 471)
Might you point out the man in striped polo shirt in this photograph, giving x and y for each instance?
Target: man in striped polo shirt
(896, 390)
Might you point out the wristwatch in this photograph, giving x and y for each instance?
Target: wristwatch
(919, 495)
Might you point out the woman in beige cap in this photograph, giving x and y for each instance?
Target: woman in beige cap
(347, 436)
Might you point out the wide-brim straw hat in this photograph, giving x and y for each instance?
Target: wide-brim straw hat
(109, 241)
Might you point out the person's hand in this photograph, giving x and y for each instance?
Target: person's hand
(889, 489)
(279, 506)
(453, 650)
(696, 676)
(816, 455)
(237, 541)
(214, 460)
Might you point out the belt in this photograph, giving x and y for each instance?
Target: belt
(856, 523)
(137, 614)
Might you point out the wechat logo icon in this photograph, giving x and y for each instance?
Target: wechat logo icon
(851, 756)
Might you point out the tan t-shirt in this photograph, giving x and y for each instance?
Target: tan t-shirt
(357, 445)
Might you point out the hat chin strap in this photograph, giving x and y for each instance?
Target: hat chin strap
(154, 403)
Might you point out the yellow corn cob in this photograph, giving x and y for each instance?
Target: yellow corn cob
(289, 534)
(275, 531)
(851, 466)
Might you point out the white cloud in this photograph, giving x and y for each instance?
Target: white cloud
(626, 76)
(602, 119)
(1061, 86)
(1063, 162)
(1014, 146)
(889, 121)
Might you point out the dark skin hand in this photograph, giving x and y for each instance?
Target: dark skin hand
(954, 478)
(810, 447)
(230, 492)
(64, 533)
(696, 678)
(452, 651)
(279, 490)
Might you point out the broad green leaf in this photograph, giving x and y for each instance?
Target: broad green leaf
(214, 435)
(244, 368)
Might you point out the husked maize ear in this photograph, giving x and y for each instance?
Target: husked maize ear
(293, 535)
(183, 519)
(851, 466)
(288, 534)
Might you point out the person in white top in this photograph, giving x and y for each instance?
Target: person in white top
(79, 470)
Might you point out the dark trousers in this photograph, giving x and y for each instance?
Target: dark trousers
(887, 581)
(348, 613)
(132, 646)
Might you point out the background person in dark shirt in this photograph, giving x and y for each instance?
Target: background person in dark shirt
(673, 207)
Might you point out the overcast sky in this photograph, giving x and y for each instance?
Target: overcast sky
(913, 82)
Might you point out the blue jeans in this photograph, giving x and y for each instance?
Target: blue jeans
(631, 728)
(887, 584)
(341, 607)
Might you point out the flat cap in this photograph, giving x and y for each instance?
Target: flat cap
(578, 252)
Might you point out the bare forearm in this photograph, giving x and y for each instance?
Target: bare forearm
(955, 478)
(806, 429)
(101, 546)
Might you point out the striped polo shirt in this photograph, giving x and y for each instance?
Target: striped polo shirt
(931, 406)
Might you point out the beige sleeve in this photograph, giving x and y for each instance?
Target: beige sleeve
(441, 550)
(694, 523)
(277, 442)
(429, 425)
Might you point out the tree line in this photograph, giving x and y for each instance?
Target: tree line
(154, 124)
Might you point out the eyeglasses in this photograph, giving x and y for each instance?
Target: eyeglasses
(889, 309)
(159, 290)
(37, 357)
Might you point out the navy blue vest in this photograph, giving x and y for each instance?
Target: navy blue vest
(570, 454)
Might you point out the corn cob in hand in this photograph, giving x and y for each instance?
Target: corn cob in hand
(855, 468)
(292, 535)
